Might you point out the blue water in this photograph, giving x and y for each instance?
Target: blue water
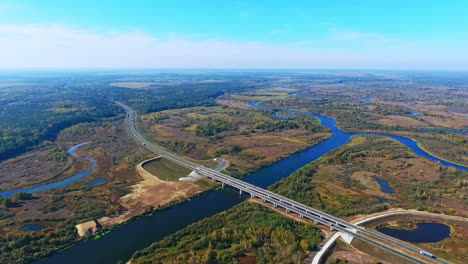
(425, 233)
(414, 112)
(384, 185)
(367, 100)
(72, 149)
(284, 86)
(62, 183)
(292, 94)
(414, 146)
(97, 181)
(34, 228)
(123, 241)
(284, 117)
(339, 136)
(233, 170)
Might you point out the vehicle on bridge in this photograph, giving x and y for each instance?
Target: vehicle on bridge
(427, 254)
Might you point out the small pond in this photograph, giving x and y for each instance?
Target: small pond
(367, 100)
(414, 112)
(424, 233)
(34, 228)
(384, 185)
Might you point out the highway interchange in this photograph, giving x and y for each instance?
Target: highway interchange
(390, 244)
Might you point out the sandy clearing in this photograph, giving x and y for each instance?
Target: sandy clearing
(151, 192)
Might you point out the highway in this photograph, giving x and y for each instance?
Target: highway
(375, 238)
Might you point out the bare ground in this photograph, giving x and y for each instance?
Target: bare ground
(151, 192)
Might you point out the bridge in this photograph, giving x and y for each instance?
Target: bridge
(387, 243)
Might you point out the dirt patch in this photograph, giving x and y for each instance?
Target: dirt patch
(366, 179)
(152, 192)
(354, 256)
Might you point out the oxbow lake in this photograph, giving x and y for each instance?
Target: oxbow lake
(424, 233)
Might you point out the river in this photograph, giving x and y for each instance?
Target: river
(66, 182)
(124, 240)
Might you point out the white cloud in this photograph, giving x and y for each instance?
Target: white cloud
(57, 46)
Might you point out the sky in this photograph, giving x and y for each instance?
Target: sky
(332, 34)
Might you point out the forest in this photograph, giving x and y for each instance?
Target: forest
(33, 115)
(247, 233)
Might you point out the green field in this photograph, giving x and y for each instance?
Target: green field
(166, 170)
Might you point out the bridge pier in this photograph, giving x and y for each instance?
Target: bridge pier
(275, 205)
(240, 191)
(263, 200)
(301, 216)
(222, 185)
(252, 195)
(315, 222)
(287, 210)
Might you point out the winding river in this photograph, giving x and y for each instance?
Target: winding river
(124, 240)
(66, 182)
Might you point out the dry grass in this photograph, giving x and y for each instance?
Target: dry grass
(258, 148)
(32, 169)
(435, 115)
(402, 121)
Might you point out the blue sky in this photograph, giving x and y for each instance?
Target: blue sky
(234, 34)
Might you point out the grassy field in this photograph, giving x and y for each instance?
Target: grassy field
(166, 170)
(264, 94)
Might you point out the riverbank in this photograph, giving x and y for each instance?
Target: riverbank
(152, 193)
